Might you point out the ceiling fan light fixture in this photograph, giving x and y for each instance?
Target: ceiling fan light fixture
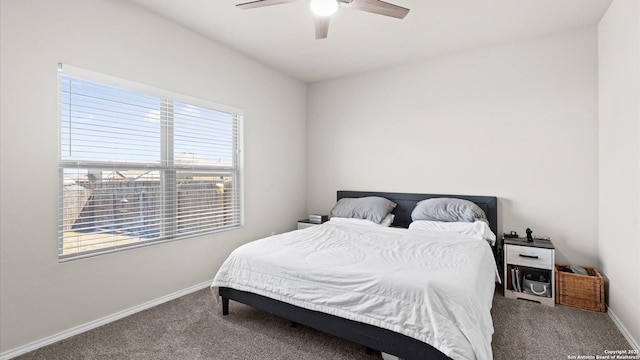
(324, 7)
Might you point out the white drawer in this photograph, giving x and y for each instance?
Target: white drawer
(304, 225)
(529, 256)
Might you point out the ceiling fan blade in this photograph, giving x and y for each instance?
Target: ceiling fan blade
(261, 3)
(322, 27)
(377, 7)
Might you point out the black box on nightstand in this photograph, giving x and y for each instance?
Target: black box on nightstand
(318, 219)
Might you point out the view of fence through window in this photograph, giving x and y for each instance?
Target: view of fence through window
(137, 168)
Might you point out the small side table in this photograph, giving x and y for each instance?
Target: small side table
(305, 223)
(539, 256)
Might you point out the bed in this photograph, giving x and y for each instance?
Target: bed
(331, 307)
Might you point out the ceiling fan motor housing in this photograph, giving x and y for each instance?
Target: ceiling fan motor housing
(323, 9)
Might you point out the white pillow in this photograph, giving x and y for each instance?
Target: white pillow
(386, 222)
(478, 229)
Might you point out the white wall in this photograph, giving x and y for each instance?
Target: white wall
(40, 297)
(619, 124)
(517, 120)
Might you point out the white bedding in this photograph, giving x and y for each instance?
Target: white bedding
(437, 288)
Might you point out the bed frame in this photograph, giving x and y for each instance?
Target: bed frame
(370, 336)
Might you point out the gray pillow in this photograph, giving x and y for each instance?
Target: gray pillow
(447, 209)
(372, 208)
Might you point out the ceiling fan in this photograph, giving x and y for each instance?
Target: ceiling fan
(323, 9)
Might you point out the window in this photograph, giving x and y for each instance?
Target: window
(139, 165)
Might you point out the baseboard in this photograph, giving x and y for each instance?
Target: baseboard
(99, 322)
(623, 330)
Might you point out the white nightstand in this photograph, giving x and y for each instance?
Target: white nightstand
(537, 256)
(303, 224)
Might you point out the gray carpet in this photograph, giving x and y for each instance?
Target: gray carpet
(192, 327)
(526, 330)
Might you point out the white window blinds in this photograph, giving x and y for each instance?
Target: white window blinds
(140, 165)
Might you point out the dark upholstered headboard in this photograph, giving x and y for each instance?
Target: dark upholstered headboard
(407, 202)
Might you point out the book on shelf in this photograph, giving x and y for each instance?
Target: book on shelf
(515, 279)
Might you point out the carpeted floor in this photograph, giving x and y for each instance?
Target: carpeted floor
(192, 327)
(526, 330)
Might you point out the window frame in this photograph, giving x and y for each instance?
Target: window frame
(167, 168)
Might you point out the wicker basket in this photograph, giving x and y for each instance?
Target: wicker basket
(581, 291)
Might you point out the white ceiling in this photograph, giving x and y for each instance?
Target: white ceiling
(282, 36)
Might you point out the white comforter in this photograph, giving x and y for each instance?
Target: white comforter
(434, 287)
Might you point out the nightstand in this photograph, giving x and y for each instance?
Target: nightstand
(305, 223)
(537, 258)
